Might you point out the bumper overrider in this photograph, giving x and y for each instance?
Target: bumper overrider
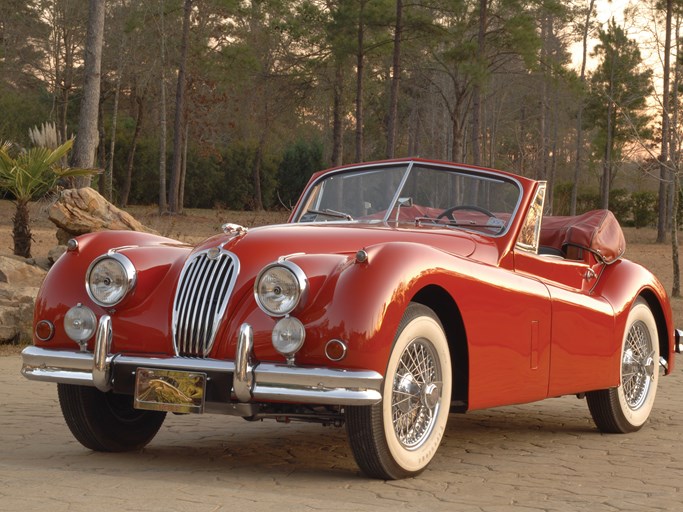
(247, 380)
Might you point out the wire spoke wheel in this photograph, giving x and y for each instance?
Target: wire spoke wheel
(627, 407)
(415, 398)
(399, 436)
(637, 365)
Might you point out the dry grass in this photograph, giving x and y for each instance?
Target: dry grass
(196, 225)
(192, 226)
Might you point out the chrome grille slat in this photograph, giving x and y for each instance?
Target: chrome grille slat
(205, 315)
(191, 334)
(184, 315)
(208, 318)
(204, 288)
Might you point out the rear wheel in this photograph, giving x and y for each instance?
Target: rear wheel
(398, 437)
(107, 422)
(627, 407)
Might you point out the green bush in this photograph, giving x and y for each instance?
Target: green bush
(299, 162)
(645, 205)
(621, 205)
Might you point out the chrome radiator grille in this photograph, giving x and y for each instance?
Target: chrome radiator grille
(204, 288)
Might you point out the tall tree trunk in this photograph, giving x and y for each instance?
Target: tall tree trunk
(676, 287)
(476, 90)
(542, 169)
(176, 165)
(552, 172)
(664, 173)
(83, 154)
(256, 173)
(579, 117)
(130, 162)
(163, 202)
(675, 164)
(457, 151)
(101, 143)
(395, 82)
(360, 58)
(181, 194)
(108, 177)
(338, 115)
(605, 183)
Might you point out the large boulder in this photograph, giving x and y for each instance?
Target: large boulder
(19, 283)
(84, 210)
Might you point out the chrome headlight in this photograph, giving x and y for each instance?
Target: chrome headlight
(109, 279)
(280, 287)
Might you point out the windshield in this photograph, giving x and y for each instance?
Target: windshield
(414, 193)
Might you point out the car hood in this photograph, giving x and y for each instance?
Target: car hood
(275, 241)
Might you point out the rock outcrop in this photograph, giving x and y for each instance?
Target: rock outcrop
(84, 210)
(19, 283)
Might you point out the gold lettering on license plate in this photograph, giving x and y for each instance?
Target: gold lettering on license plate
(169, 390)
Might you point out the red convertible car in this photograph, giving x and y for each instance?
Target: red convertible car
(397, 293)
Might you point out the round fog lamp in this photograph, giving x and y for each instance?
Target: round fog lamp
(288, 336)
(80, 323)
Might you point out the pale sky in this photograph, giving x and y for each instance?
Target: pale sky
(605, 10)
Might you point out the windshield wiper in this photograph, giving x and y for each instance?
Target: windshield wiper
(331, 213)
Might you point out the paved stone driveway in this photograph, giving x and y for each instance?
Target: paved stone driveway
(539, 457)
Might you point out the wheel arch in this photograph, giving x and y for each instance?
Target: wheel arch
(662, 326)
(446, 309)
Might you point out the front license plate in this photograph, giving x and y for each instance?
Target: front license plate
(169, 390)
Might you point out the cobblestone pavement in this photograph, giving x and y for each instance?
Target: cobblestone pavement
(540, 457)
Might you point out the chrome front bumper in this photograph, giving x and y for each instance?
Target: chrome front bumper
(251, 381)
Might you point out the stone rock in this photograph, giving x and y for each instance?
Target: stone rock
(54, 253)
(19, 284)
(16, 313)
(84, 210)
(16, 271)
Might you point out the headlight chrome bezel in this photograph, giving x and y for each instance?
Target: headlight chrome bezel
(129, 278)
(300, 285)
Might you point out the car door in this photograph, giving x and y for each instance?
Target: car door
(582, 322)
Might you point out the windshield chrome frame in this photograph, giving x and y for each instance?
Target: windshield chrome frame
(402, 184)
(484, 174)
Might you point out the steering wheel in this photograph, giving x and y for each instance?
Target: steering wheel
(448, 212)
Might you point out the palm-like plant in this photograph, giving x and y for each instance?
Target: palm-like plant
(29, 176)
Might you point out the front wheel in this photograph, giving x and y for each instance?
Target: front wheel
(627, 407)
(107, 422)
(398, 437)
